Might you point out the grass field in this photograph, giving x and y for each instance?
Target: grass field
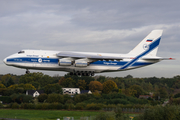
(43, 114)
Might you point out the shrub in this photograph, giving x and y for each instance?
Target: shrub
(27, 98)
(1, 105)
(38, 106)
(69, 106)
(57, 106)
(5, 99)
(118, 101)
(15, 106)
(177, 95)
(27, 105)
(175, 101)
(160, 113)
(55, 98)
(42, 97)
(19, 98)
(80, 106)
(45, 106)
(93, 106)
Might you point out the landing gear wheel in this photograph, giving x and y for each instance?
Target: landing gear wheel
(92, 74)
(27, 71)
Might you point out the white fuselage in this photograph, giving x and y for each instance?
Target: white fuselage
(48, 60)
(87, 63)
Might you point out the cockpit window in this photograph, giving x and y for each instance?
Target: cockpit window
(21, 52)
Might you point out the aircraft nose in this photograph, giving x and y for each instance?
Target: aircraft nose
(5, 60)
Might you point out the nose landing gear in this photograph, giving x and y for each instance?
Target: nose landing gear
(27, 71)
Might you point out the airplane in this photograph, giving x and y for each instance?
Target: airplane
(88, 63)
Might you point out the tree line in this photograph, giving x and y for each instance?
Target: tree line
(160, 88)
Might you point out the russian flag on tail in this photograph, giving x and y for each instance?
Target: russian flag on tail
(149, 40)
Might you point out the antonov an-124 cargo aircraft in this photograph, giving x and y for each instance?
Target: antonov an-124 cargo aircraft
(88, 63)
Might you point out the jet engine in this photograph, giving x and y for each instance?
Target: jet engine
(65, 62)
(82, 62)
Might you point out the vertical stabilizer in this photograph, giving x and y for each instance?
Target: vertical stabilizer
(147, 44)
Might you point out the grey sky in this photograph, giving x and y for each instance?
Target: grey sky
(110, 26)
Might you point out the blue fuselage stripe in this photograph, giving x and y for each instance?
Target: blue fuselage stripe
(33, 60)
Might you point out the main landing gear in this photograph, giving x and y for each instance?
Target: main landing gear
(80, 73)
(27, 71)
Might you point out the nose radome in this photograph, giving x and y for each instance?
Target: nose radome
(5, 60)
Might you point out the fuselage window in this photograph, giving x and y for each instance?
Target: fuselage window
(21, 52)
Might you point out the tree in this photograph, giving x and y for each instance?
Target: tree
(101, 79)
(21, 88)
(53, 88)
(52, 98)
(36, 84)
(7, 80)
(128, 76)
(161, 92)
(129, 92)
(36, 77)
(10, 82)
(108, 86)
(139, 90)
(6, 91)
(2, 86)
(21, 98)
(95, 85)
(27, 86)
(42, 97)
(13, 86)
(81, 84)
(168, 112)
(67, 82)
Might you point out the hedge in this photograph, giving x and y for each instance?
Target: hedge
(5, 99)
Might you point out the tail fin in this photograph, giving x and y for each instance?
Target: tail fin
(149, 44)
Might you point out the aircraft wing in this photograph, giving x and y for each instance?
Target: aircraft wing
(89, 56)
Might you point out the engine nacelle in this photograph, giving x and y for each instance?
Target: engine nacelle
(81, 63)
(65, 62)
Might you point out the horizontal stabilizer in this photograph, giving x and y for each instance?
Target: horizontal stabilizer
(157, 58)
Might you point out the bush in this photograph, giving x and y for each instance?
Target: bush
(160, 113)
(42, 97)
(5, 99)
(69, 106)
(45, 106)
(80, 106)
(27, 98)
(6, 91)
(21, 98)
(15, 106)
(93, 106)
(57, 106)
(55, 98)
(118, 101)
(177, 95)
(1, 105)
(27, 105)
(38, 106)
(175, 101)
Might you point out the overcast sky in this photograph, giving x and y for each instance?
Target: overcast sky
(109, 26)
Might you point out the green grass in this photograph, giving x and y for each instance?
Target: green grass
(43, 114)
